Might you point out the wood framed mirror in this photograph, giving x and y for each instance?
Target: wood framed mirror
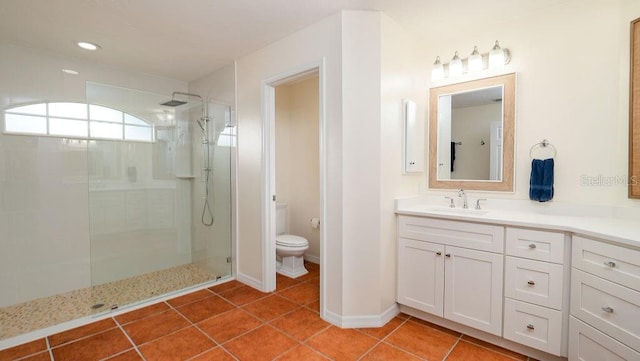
(471, 135)
(634, 113)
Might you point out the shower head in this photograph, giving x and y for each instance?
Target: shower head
(173, 103)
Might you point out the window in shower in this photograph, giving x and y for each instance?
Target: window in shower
(77, 120)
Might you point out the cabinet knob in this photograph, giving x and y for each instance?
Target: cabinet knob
(438, 253)
(530, 327)
(531, 283)
(607, 309)
(610, 264)
(532, 246)
(447, 255)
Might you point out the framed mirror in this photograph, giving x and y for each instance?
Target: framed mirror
(471, 135)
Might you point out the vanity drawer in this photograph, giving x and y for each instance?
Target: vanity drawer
(607, 306)
(477, 236)
(535, 244)
(615, 263)
(588, 344)
(534, 281)
(534, 326)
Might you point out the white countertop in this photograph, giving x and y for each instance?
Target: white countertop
(616, 224)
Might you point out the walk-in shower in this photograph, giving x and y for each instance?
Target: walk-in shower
(207, 217)
(111, 217)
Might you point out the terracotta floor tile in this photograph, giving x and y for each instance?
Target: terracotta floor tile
(205, 308)
(131, 355)
(403, 316)
(382, 332)
(422, 340)
(342, 344)
(264, 343)
(302, 353)
(270, 307)
(313, 273)
(314, 306)
(181, 345)
(141, 313)
(300, 324)
(188, 298)
(228, 325)
(42, 356)
(242, 295)
(303, 293)
(152, 327)
(80, 332)
(437, 327)
(226, 286)
(23, 350)
(284, 282)
(96, 347)
(495, 348)
(386, 352)
(217, 354)
(465, 351)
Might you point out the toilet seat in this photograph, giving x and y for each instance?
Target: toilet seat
(290, 240)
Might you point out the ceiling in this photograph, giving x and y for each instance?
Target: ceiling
(187, 39)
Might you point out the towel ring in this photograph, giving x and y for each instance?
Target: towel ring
(543, 144)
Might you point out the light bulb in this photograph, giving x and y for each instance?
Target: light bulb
(437, 71)
(496, 56)
(455, 66)
(475, 60)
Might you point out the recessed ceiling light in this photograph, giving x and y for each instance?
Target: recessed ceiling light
(70, 71)
(88, 46)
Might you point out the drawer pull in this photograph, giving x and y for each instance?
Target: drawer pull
(610, 264)
(438, 253)
(530, 327)
(532, 246)
(607, 309)
(531, 283)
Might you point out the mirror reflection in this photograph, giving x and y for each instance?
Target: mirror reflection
(470, 135)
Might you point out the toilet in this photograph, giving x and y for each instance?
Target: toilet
(289, 248)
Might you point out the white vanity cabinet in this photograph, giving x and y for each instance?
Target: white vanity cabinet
(536, 299)
(605, 301)
(453, 270)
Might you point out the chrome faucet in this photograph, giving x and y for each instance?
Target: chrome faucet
(462, 194)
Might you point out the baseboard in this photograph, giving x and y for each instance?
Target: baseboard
(370, 321)
(250, 281)
(312, 258)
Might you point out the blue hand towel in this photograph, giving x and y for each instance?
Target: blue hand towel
(541, 182)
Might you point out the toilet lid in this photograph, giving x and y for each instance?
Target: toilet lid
(291, 240)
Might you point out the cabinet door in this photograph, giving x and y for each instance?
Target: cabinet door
(421, 275)
(473, 288)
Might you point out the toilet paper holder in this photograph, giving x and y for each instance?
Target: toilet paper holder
(315, 222)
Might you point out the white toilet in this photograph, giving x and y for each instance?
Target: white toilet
(289, 248)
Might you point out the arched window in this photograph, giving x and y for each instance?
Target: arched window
(76, 120)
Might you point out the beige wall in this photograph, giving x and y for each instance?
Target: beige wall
(298, 159)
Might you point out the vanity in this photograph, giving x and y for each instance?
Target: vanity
(547, 284)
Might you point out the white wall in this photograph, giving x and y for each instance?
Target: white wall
(572, 64)
(298, 158)
(44, 216)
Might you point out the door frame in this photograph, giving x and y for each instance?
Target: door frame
(269, 171)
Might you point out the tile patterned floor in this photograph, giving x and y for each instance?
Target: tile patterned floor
(232, 321)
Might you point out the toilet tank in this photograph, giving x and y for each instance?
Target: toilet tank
(281, 218)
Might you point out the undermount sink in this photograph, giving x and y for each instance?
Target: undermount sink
(468, 211)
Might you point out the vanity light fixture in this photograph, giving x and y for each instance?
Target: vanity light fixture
(437, 71)
(88, 46)
(476, 62)
(455, 66)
